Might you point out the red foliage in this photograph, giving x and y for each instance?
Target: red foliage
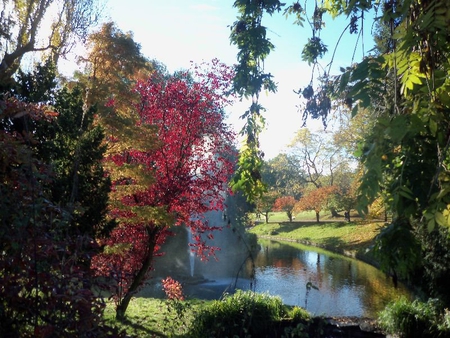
(173, 289)
(191, 165)
(285, 203)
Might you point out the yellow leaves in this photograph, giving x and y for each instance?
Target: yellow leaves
(116, 248)
(155, 215)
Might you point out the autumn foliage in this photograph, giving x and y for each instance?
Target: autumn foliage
(286, 204)
(316, 200)
(177, 180)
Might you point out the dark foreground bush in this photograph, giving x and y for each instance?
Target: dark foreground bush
(248, 314)
(242, 314)
(415, 319)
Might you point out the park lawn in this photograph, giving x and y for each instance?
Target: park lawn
(151, 317)
(349, 238)
(278, 216)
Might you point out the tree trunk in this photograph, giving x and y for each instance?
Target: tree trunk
(334, 213)
(267, 217)
(317, 217)
(140, 276)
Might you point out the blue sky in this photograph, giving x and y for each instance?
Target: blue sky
(177, 31)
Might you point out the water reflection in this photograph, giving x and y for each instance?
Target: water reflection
(323, 282)
(320, 281)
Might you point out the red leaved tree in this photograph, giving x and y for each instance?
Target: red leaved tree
(286, 204)
(316, 200)
(176, 181)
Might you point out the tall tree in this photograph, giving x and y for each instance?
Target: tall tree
(284, 175)
(44, 241)
(407, 152)
(188, 170)
(317, 157)
(73, 146)
(113, 65)
(41, 26)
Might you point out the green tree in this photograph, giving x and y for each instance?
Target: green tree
(47, 222)
(265, 204)
(74, 148)
(249, 35)
(284, 175)
(405, 87)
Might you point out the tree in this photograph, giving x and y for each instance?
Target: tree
(183, 176)
(405, 86)
(41, 249)
(24, 23)
(265, 204)
(73, 146)
(286, 204)
(317, 156)
(284, 175)
(316, 199)
(249, 81)
(113, 65)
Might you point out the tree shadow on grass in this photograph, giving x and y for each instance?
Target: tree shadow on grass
(138, 329)
(302, 224)
(333, 242)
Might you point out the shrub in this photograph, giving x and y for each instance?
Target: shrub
(299, 314)
(243, 314)
(411, 319)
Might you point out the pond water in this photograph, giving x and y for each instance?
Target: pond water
(322, 282)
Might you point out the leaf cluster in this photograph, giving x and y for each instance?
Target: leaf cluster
(47, 231)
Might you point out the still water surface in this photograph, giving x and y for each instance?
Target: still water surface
(322, 282)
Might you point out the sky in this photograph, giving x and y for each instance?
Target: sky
(176, 32)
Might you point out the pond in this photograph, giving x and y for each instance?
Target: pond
(322, 282)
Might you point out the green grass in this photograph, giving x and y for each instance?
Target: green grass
(282, 217)
(150, 317)
(349, 238)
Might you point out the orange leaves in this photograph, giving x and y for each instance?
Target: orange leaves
(284, 203)
(316, 199)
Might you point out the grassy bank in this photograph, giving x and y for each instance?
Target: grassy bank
(349, 238)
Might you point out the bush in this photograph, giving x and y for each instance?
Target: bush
(433, 279)
(413, 319)
(243, 314)
(299, 314)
